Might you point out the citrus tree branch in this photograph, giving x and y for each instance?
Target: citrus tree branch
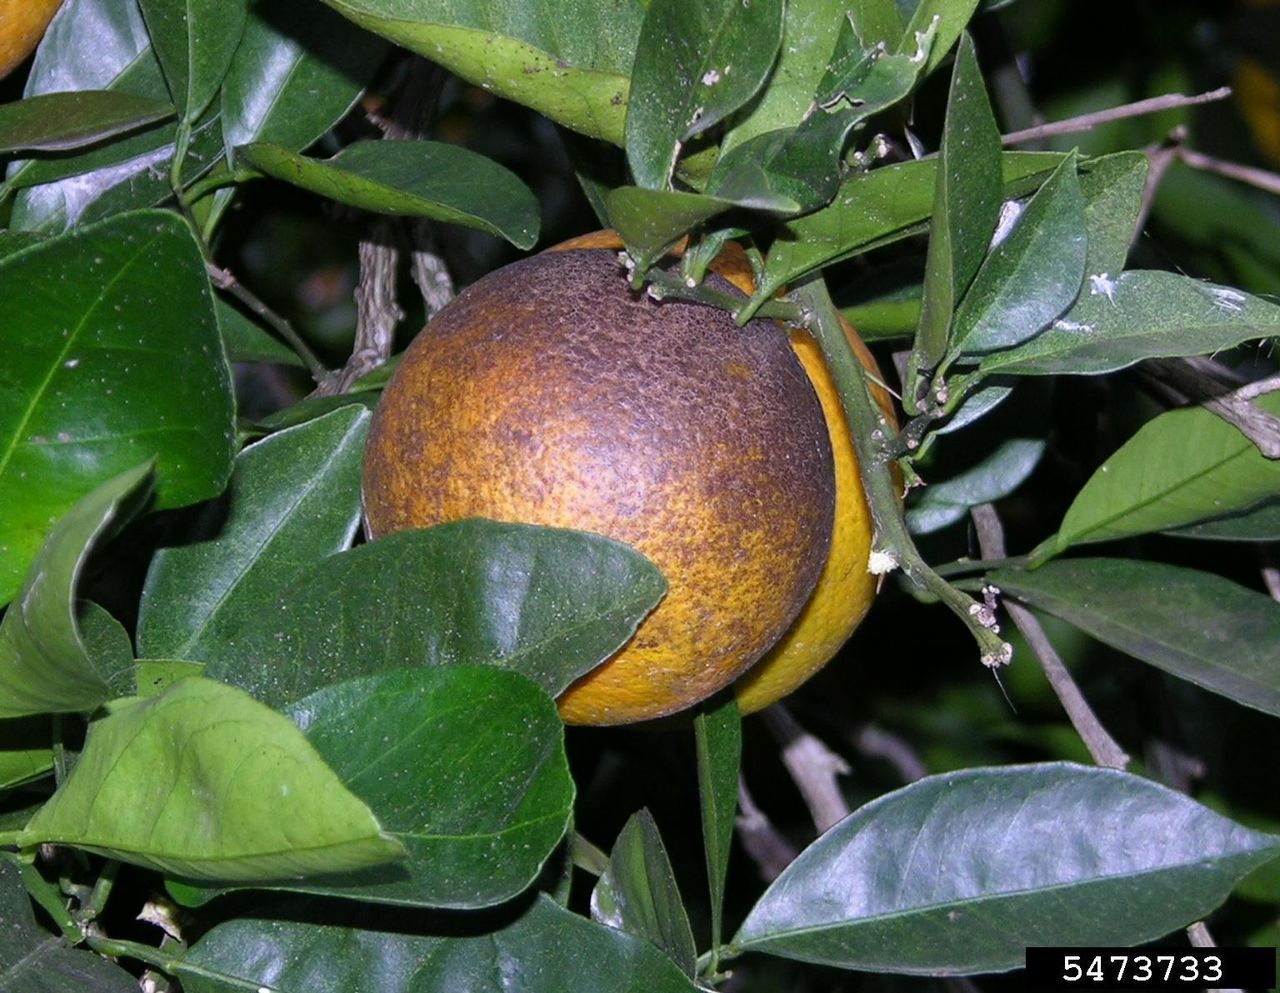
(764, 843)
(223, 279)
(1086, 122)
(813, 767)
(892, 545)
(1103, 747)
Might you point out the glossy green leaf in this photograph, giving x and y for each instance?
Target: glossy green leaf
(34, 960)
(718, 738)
(297, 71)
(415, 179)
(573, 68)
(108, 646)
(549, 603)
(1183, 466)
(15, 241)
(245, 341)
(1261, 522)
(293, 500)
(205, 782)
(651, 221)
(966, 205)
(128, 174)
(978, 405)
(799, 169)
(1031, 276)
(946, 18)
(1195, 625)
(695, 64)
(1112, 187)
(877, 22)
(809, 33)
(957, 874)
(45, 667)
(413, 744)
(101, 374)
(308, 409)
(25, 750)
(876, 208)
(194, 41)
(638, 893)
(58, 122)
(151, 677)
(996, 476)
(1137, 315)
(547, 949)
(122, 62)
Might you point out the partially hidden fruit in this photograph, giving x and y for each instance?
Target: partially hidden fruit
(549, 393)
(22, 24)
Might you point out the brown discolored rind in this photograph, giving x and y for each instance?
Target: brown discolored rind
(550, 393)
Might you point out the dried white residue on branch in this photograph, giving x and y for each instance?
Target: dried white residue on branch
(1103, 748)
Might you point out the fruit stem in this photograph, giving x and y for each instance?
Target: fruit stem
(893, 545)
(665, 285)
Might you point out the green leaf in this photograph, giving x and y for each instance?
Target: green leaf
(966, 204)
(638, 893)
(1112, 187)
(695, 64)
(15, 241)
(245, 341)
(1195, 625)
(1261, 522)
(809, 33)
(547, 949)
(551, 604)
(194, 41)
(45, 667)
(1030, 277)
(957, 874)
(203, 781)
(34, 961)
(57, 122)
(952, 17)
(876, 208)
(297, 71)
(123, 62)
(1183, 466)
(412, 178)
(574, 69)
(996, 476)
(799, 169)
(125, 175)
(308, 409)
(294, 499)
(25, 752)
(151, 677)
(414, 744)
(651, 221)
(877, 22)
(718, 737)
(108, 646)
(1137, 315)
(99, 376)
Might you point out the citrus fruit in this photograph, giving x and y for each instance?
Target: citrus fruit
(22, 24)
(549, 393)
